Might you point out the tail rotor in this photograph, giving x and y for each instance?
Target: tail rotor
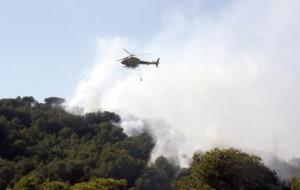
(157, 62)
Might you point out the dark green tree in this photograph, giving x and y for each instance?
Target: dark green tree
(45, 140)
(231, 169)
(55, 185)
(29, 182)
(159, 176)
(118, 163)
(7, 173)
(101, 184)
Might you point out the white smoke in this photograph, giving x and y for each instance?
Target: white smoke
(229, 77)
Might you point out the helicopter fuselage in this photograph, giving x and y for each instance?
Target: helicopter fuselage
(131, 62)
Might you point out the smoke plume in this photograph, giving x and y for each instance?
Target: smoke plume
(228, 76)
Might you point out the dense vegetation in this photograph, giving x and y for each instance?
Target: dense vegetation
(43, 147)
(43, 140)
(228, 169)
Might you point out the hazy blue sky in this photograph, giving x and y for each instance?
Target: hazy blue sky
(45, 45)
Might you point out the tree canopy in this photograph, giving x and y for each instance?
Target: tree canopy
(43, 147)
(55, 145)
(229, 169)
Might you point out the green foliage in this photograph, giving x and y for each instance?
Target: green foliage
(102, 184)
(118, 163)
(295, 183)
(42, 147)
(58, 146)
(192, 183)
(6, 173)
(29, 182)
(55, 185)
(32, 182)
(70, 171)
(159, 176)
(231, 169)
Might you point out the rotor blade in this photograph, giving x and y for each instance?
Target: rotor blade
(144, 53)
(127, 51)
(123, 58)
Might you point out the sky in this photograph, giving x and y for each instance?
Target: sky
(45, 46)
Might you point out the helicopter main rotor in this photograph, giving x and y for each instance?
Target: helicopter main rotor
(129, 55)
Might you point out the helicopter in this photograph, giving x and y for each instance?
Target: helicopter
(131, 61)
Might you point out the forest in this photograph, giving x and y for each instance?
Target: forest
(43, 147)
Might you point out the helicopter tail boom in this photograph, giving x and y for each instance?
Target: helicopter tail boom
(150, 63)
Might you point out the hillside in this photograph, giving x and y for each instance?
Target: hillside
(44, 147)
(42, 139)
